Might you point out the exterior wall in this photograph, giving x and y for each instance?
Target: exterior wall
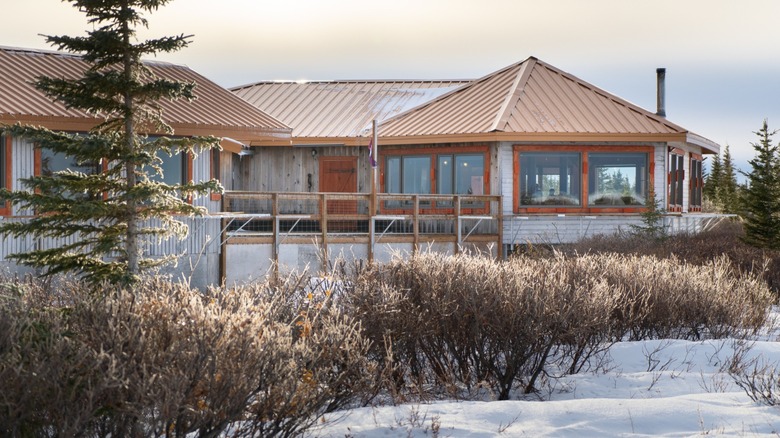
(285, 169)
(23, 166)
(201, 171)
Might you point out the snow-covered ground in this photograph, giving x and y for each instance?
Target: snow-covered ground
(654, 388)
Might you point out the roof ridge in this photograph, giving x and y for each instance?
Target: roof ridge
(456, 90)
(346, 81)
(515, 92)
(61, 54)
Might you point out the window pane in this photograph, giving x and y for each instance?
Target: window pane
(617, 179)
(469, 172)
(393, 175)
(56, 162)
(549, 178)
(172, 168)
(444, 173)
(417, 175)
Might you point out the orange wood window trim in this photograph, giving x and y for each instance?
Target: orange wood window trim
(434, 152)
(583, 150)
(5, 207)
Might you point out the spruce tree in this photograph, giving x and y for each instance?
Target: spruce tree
(711, 184)
(102, 219)
(728, 191)
(762, 196)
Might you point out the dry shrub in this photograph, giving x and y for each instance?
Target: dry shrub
(165, 360)
(698, 249)
(459, 324)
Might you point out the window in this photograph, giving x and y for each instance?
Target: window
(676, 178)
(617, 179)
(174, 169)
(4, 172)
(581, 179)
(52, 162)
(408, 174)
(460, 174)
(697, 182)
(444, 171)
(550, 178)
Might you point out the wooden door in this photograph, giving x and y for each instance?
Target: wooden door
(339, 174)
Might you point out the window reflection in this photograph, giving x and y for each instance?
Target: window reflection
(548, 178)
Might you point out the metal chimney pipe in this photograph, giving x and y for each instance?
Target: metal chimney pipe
(661, 94)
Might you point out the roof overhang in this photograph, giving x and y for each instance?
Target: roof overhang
(532, 137)
(240, 134)
(707, 145)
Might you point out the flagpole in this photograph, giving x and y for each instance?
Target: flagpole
(374, 166)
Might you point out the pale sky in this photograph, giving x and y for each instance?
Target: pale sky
(722, 57)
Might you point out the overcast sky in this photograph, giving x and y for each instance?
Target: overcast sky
(722, 57)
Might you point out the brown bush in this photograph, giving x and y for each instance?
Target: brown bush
(169, 361)
(698, 249)
(462, 323)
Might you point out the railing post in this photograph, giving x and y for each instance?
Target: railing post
(324, 229)
(500, 231)
(275, 215)
(456, 204)
(371, 227)
(416, 224)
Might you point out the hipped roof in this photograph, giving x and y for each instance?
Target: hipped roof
(215, 111)
(533, 101)
(328, 111)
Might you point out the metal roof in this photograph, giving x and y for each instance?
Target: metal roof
(529, 98)
(322, 110)
(216, 111)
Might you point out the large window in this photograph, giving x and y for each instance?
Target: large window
(408, 174)
(460, 174)
(549, 178)
(582, 179)
(617, 179)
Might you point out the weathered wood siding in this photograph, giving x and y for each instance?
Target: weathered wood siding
(297, 169)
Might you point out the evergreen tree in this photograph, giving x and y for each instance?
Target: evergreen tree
(762, 196)
(102, 218)
(728, 190)
(715, 175)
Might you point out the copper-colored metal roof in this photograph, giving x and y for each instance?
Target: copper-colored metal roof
(531, 99)
(321, 111)
(216, 111)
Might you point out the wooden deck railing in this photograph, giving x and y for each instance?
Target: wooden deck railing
(354, 217)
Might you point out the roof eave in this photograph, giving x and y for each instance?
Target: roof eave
(707, 145)
(531, 137)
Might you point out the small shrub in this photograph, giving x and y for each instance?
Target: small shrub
(169, 361)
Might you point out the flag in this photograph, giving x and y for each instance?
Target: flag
(371, 153)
